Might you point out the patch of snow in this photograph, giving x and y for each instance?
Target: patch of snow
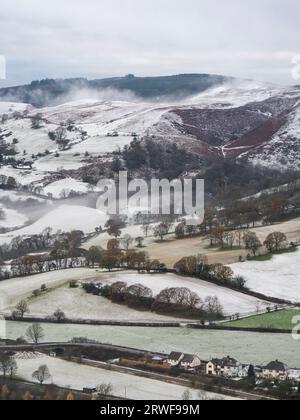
(236, 94)
(75, 376)
(65, 218)
(12, 219)
(77, 304)
(277, 278)
(16, 289)
(9, 107)
(232, 302)
(67, 185)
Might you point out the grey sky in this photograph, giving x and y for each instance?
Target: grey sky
(99, 38)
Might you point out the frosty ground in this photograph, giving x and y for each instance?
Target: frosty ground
(75, 376)
(252, 348)
(13, 290)
(77, 304)
(232, 302)
(171, 250)
(64, 218)
(279, 277)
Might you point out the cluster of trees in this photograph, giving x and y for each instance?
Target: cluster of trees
(60, 134)
(65, 252)
(8, 365)
(6, 149)
(115, 257)
(150, 156)
(197, 266)
(177, 301)
(161, 230)
(37, 121)
(274, 242)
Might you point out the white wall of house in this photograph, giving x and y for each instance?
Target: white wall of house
(195, 363)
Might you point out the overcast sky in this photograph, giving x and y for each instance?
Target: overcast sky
(100, 38)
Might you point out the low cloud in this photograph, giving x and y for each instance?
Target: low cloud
(114, 37)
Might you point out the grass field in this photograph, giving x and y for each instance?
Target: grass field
(281, 320)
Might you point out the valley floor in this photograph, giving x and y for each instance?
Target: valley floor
(255, 348)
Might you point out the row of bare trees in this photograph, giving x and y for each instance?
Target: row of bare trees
(179, 301)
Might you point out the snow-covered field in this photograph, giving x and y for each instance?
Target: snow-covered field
(102, 117)
(100, 145)
(64, 218)
(65, 185)
(16, 196)
(246, 347)
(12, 218)
(9, 107)
(279, 277)
(13, 290)
(134, 231)
(232, 302)
(75, 376)
(77, 304)
(234, 94)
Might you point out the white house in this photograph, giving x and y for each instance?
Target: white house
(227, 367)
(294, 374)
(276, 370)
(190, 361)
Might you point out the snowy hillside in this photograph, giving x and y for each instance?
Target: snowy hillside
(236, 119)
(65, 218)
(10, 107)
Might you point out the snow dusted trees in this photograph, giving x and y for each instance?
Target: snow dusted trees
(37, 121)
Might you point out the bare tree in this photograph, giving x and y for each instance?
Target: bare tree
(42, 374)
(8, 365)
(161, 230)
(187, 395)
(35, 333)
(252, 242)
(146, 229)
(22, 308)
(105, 390)
(275, 241)
(126, 242)
(59, 315)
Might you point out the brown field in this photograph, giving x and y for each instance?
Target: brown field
(173, 250)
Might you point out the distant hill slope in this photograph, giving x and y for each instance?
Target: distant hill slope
(49, 91)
